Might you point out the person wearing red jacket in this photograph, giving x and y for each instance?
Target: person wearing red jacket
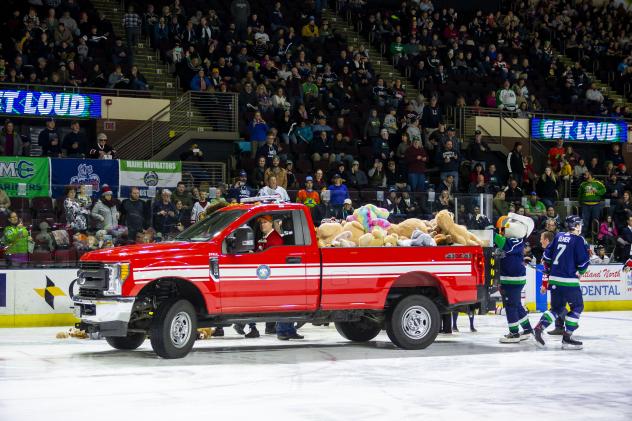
(269, 236)
(416, 159)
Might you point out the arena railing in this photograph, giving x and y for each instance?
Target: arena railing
(191, 113)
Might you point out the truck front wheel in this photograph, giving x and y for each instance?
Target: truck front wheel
(129, 342)
(413, 323)
(173, 329)
(361, 331)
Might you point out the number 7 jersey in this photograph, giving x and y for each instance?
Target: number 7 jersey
(566, 256)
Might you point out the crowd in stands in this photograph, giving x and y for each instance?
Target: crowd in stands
(53, 42)
(324, 128)
(505, 59)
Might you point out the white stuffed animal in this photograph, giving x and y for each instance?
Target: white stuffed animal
(418, 239)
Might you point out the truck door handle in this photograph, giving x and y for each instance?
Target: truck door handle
(293, 260)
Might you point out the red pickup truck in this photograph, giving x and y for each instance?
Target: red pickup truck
(212, 275)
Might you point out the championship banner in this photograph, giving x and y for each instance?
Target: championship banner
(25, 176)
(50, 104)
(37, 297)
(149, 176)
(78, 172)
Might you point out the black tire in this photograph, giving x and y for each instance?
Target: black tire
(127, 343)
(423, 323)
(179, 315)
(361, 331)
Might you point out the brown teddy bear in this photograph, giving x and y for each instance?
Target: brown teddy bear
(460, 234)
(326, 233)
(343, 240)
(375, 238)
(356, 229)
(406, 228)
(391, 240)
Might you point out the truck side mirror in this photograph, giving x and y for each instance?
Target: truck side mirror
(242, 240)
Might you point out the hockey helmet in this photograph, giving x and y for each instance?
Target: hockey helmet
(573, 222)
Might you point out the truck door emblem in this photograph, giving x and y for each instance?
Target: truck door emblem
(263, 272)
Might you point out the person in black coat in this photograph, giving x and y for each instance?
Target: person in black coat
(75, 144)
(547, 186)
(515, 163)
(50, 140)
(134, 214)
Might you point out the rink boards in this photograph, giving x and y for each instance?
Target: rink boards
(43, 297)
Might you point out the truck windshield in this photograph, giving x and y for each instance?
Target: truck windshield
(210, 226)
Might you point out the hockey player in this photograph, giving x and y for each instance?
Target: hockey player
(513, 275)
(545, 239)
(565, 260)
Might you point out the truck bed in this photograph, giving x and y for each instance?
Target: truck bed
(363, 275)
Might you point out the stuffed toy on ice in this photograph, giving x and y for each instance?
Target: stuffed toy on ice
(370, 216)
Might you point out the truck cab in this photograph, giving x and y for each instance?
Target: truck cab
(219, 272)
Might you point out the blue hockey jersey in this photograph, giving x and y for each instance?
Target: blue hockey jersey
(566, 256)
(512, 268)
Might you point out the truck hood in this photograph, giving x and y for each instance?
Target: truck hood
(144, 251)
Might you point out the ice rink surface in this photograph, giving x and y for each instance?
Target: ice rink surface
(465, 376)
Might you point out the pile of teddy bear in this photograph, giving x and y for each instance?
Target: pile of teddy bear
(369, 227)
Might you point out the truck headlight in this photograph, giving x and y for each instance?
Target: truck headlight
(117, 274)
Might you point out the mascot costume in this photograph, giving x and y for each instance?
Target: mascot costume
(514, 230)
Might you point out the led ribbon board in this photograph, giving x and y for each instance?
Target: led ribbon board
(50, 104)
(579, 130)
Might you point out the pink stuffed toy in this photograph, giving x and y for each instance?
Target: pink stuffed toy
(370, 216)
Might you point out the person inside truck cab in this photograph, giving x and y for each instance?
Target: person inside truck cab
(269, 236)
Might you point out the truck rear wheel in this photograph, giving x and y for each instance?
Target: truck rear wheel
(129, 342)
(173, 329)
(413, 323)
(361, 331)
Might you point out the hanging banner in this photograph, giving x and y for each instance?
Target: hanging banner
(78, 172)
(579, 130)
(149, 176)
(50, 104)
(25, 176)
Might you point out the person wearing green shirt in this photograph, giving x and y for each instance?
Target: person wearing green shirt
(590, 196)
(397, 48)
(310, 90)
(15, 238)
(535, 208)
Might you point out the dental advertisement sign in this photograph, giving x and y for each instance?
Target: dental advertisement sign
(579, 130)
(50, 104)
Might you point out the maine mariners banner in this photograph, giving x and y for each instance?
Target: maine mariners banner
(78, 172)
(149, 176)
(25, 176)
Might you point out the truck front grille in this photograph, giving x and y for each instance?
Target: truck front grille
(92, 275)
(90, 293)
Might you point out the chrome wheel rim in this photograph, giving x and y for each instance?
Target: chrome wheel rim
(180, 329)
(416, 322)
